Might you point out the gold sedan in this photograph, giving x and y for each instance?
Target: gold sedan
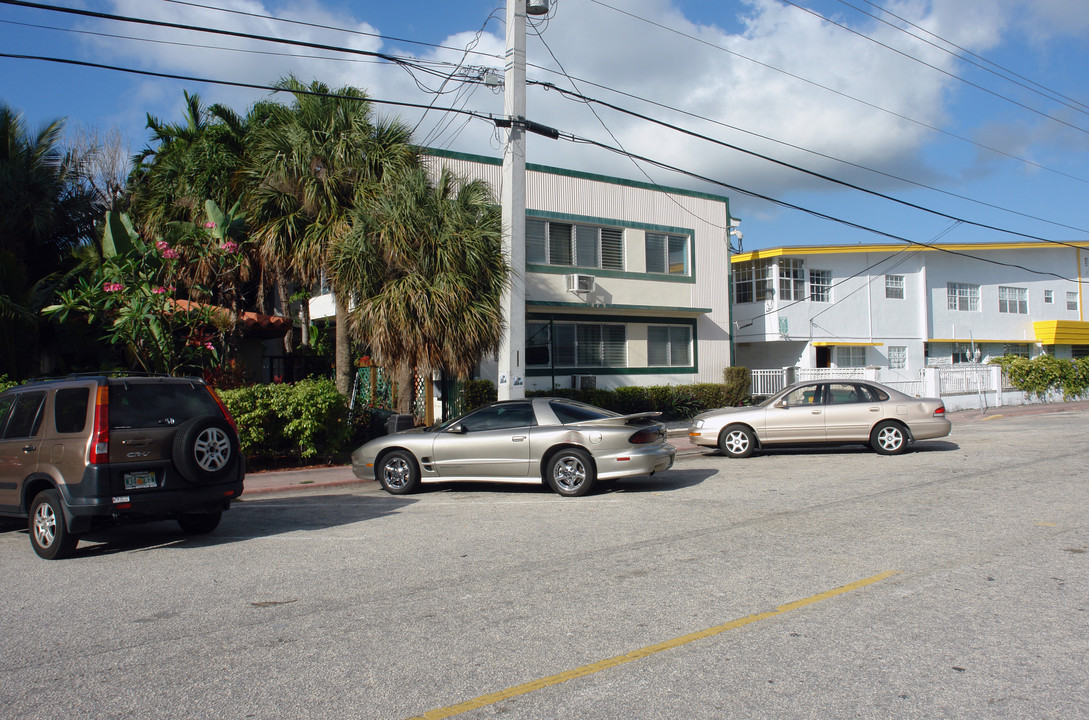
(824, 412)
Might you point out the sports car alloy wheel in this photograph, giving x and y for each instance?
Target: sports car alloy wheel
(571, 472)
(398, 473)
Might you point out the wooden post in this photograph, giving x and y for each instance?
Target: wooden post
(429, 401)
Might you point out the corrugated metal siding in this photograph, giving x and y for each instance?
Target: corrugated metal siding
(623, 204)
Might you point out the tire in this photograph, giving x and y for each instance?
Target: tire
(398, 473)
(736, 441)
(206, 450)
(49, 534)
(889, 438)
(571, 472)
(199, 523)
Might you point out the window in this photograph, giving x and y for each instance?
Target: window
(1071, 301)
(752, 281)
(842, 393)
(898, 357)
(963, 297)
(894, 287)
(500, 417)
(820, 285)
(556, 243)
(1049, 296)
(538, 344)
(963, 353)
(1021, 349)
(590, 345)
(25, 416)
(1079, 351)
(70, 409)
(667, 253)
(1013, 300)
(850, 356)
(669, 346)
(792, 279)
(805, 395)
(571, 411)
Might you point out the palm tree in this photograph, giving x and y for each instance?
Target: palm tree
(426, 262)
(46, 212)
(310, 164)
(182, 183)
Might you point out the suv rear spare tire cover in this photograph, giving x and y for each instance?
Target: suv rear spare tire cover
(206, 449)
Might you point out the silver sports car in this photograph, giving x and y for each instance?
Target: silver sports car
(827, 411)
(565, 443)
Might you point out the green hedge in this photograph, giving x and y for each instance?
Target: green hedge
(288, 422)
(1045, 373)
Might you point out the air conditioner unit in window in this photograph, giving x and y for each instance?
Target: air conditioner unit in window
(584, 382)
(580, 283)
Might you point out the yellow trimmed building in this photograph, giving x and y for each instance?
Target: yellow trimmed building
(903, 308)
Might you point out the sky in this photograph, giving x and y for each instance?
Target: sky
(823, 121)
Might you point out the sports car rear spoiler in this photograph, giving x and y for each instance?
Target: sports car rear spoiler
(626, 419)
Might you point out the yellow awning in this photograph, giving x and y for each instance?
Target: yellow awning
(1061, 332)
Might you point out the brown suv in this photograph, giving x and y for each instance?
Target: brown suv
(86, 450)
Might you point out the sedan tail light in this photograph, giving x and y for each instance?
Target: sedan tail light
(940, 412)
(646, 435)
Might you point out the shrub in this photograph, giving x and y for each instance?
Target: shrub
(5, 383)
(1045, 373)
(290, 421)
(477, 393)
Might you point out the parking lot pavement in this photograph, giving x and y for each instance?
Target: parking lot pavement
(303, 479)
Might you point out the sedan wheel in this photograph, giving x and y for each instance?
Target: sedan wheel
(571, 472)
(888, 438)
(736, 441)
(398, 473)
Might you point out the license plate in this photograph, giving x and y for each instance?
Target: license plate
(140, 480)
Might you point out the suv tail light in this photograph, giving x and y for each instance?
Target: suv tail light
(223, 409)
(99, 451)
(646, 435)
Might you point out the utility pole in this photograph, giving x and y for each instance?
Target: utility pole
(512, 348)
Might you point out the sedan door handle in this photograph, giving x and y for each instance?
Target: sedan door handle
(519, 438)
(815, 412)
(29, 448)
(875, 409)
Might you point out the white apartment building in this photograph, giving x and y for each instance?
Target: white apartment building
(626, 283)
(904, 308)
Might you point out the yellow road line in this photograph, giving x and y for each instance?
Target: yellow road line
(492, 698)
(992, 417)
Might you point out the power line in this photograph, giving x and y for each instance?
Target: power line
(330, 27)
(572, 138)
(936, 68)
(1009, 74)
(812, 173)
(840, 93)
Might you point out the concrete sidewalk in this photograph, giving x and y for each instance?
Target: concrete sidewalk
(331, 476)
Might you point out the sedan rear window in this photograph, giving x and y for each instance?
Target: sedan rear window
(138, 405)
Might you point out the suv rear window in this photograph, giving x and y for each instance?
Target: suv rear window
(138, 405)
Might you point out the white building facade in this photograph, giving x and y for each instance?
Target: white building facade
(905, 308)
(626, 283)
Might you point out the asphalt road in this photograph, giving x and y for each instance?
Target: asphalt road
(951, 582)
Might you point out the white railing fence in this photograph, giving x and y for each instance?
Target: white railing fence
(968, 386)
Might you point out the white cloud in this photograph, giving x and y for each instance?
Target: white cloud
(786, 75)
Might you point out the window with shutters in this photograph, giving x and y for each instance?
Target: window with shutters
(590, 345)
(667, 254)
(549, 242)
(669, 345)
